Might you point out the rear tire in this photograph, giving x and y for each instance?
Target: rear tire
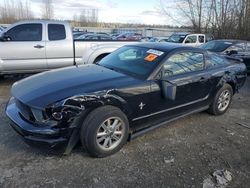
(222, 100)
(104, 131)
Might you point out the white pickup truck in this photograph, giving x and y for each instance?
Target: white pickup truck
(193, 40)
(38, 45)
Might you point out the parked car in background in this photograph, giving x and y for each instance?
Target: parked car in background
(233, 48)
(103, 33)
(194, 40)
(129, 36)
(114, 35)
(145, 39)
(38, 45)
(159, 39)
(78, 34)
(98, 37)
(131, 91)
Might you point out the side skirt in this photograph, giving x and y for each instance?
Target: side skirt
(153, 127)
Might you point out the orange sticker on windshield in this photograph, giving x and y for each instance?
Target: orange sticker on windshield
(150, 57)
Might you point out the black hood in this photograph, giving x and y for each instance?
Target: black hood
(49, 87)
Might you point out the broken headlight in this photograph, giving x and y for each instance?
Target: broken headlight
(65, 110)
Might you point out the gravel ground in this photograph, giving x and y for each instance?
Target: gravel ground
(181, 154)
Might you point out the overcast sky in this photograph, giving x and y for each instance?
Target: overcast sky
(120, 11)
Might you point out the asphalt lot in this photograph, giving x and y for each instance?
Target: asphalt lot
(181, 154)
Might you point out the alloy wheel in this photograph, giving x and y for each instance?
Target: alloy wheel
(110, 133)
(224, 100)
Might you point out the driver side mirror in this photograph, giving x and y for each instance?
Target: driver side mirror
(187, 42)
(168, 89)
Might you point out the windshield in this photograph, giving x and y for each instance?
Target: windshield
(132, 60)
(216, 46)
(176, 38)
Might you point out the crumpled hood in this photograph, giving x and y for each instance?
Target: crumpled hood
(52, 86)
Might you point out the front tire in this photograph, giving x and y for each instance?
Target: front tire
(222, 100)
(104, 131)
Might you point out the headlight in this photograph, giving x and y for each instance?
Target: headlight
(65, 110)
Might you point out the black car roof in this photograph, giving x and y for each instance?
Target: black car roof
(166, 47)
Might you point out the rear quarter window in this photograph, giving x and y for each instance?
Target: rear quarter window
(56, 32)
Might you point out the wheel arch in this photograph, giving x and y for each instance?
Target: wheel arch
(88, 104)
(100, 57)
(228, 79)
(233, 85)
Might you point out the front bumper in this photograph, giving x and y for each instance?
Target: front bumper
(52, 140)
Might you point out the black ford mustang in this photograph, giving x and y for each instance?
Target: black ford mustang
(133, 90)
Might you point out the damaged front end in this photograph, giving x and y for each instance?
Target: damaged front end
(55, 128)
(67, 110)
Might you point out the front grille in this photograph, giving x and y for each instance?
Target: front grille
(25, 110)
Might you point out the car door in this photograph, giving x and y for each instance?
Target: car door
(184, 85)
(24, 48)
(191, 40)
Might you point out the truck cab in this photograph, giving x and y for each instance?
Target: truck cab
(188, 39)
(33, 45)
(38, 45)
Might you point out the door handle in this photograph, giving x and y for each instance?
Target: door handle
(38, 46)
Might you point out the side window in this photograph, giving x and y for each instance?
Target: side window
(191, 39)
(26, 32)
(183, 63)
(217, 60)
(201, 39)
(56, 32)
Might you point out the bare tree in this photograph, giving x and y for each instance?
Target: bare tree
(87, 17)
(187, 12)
(12, 11)
(23, 11)
(48, 9)
(222, 18)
